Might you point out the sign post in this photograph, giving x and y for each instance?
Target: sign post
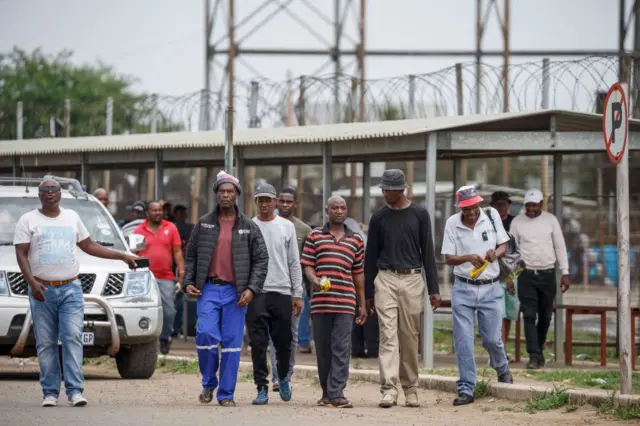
(615, 127)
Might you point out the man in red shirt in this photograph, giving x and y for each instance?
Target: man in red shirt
(163, 247)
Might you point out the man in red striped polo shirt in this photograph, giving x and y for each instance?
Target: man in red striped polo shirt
(335, 252)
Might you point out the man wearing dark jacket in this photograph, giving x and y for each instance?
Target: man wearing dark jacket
(226, 264)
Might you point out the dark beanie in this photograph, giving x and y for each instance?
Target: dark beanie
(224, 177)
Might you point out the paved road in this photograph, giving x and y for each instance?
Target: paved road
(169, 399)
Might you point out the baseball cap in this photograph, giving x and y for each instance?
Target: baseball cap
(468, 196)
(138, 206)
(265, 190)
(533, 196)
(500, 196)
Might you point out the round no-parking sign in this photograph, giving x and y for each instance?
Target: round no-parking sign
(615, 122)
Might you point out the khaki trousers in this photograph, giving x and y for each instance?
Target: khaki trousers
(399, 302)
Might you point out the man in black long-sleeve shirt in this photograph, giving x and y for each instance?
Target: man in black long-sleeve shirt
(400, 244)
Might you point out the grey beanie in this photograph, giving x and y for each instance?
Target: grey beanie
(224, 177)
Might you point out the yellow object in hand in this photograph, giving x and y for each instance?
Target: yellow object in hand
(325, 284)
(475, 272)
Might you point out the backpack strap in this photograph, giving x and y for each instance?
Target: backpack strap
(487, 211)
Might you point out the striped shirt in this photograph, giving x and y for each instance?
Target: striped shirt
(338, 261)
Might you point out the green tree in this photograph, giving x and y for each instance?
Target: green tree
(390, 112)
(43, 82)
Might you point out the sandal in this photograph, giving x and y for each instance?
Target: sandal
(227, 403)
(323, 402)
(206, 396)
(341, 403)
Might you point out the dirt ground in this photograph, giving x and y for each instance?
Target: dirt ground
(171, 399)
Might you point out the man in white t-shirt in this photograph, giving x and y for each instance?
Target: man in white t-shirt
(45, 241)
(471, 238)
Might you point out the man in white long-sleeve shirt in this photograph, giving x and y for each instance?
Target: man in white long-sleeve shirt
(539, 237)
(270, 312)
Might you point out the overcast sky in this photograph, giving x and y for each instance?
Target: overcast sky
(161, 42)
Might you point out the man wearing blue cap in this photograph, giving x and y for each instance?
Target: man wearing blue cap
(226, 264)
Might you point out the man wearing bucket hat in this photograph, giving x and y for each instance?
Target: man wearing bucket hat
(399, 249)
(226, 263)
(473, 239)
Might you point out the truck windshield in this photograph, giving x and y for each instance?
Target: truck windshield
(96, 220)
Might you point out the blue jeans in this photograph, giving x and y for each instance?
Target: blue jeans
(486, 300)
(168, 295)
(304, 330)
(61, 316)
(220, 323)
(294, 347)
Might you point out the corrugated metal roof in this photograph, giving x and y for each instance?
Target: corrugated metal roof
(565, 120)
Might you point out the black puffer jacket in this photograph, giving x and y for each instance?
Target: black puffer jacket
(249, 252)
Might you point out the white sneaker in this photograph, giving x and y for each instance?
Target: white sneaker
(50, 401)
(77, 400)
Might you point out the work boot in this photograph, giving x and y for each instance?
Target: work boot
(412, 400)
(463, 399)
(388, 401)
(533, 364)
(505, 377)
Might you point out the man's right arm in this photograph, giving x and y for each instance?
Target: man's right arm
(22, 243)
(191, 258)
(372, 253)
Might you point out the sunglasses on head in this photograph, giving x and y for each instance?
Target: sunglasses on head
(45, 189)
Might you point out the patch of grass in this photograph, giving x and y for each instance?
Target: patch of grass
(246, 377)
(482, 386)
(557, 398)
(607, 379)
(621, 413)
(179, 366)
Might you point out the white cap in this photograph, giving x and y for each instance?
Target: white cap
(533, 196)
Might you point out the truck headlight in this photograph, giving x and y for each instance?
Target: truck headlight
(4, 284)
(137, 283)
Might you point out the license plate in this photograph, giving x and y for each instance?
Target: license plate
(87, 339)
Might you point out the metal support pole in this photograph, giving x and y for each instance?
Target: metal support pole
(366, 191)
(19, 121)
(84, 172)
(558, 316)
(16, 172)
(431, 149)
(240, 168)
(411, 110)
(624, 284)
(228, 141)
(153, 126)
(544, 159)
(158, 185)
(284, 176)
(231, 60)
(109, 118)
(211, 174)
(327, 177)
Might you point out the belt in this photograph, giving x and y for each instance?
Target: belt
(404, 271)
(541, 271)
(57, 283)
(217, 281)
(477, 282)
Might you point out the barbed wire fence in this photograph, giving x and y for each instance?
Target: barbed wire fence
(573, 84)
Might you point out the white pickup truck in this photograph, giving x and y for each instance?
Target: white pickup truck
(123, 310)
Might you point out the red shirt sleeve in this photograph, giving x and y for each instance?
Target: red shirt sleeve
(358, 264)
(176, 241)
(308, 257)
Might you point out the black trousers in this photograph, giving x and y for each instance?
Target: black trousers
(269, 314)
(536, 291)
(365, 339)
(332, 334)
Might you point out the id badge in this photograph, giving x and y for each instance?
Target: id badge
(484, 236)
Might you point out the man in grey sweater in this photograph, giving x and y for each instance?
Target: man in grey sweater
(270, 312)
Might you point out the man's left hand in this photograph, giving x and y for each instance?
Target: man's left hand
(296, 305)
(565, 283)
(435, 300)
(245, 298)
(362, 315)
